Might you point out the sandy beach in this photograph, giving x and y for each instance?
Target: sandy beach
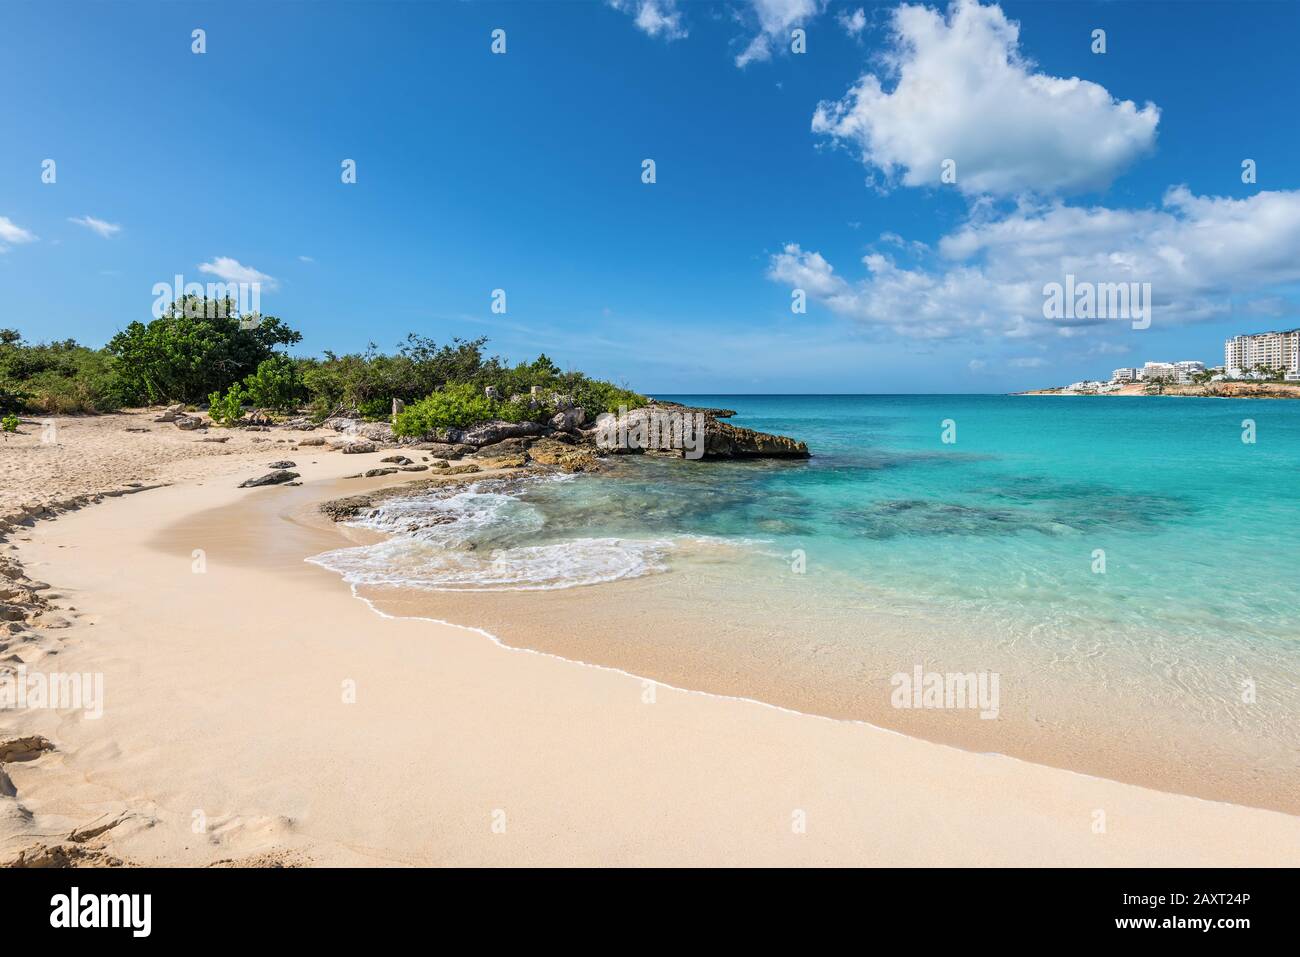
(256, 713)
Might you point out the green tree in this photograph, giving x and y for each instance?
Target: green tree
(196, 347)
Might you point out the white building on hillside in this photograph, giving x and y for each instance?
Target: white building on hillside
(1125, 375)
(1159, 372)
(1277, 350)
(1185, 370)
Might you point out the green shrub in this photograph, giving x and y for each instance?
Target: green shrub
(277, 384)
(455, 407)
(57, 377)
(368, 382)
(12, 399)
(597, 397)
(520, 412)
(226, 409)
(9, 423)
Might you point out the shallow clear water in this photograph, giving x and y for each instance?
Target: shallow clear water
(1126, 563)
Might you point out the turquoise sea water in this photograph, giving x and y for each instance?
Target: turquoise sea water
(1127, 564)
(1198, 527)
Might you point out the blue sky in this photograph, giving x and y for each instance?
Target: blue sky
(522, 172)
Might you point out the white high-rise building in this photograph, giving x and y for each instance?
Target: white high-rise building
(1183, 371)
(1277, 350)
(1163, 371)
(1125, 375)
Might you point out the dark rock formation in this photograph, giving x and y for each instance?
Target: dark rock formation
(271, 478)
(692, 434)
(516, 446)
(727, 441)
(446, 450)
(489, 433)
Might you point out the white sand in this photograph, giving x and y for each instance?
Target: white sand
(224, 707)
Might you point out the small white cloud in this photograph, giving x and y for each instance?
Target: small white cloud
(656, 18)
(13, 234)
(232, 270)
(1027, 362)
(775, 19)
(963, 92)
(105, 229)
(853, 23)
(306, 259)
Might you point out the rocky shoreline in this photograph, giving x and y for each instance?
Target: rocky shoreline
(567, 441)
(657, 427)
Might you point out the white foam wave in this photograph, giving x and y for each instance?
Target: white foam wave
(465, 542)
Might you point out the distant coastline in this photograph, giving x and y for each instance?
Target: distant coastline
(1211, 390)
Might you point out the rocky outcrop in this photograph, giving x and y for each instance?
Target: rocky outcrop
(559, 450)
(270, 478)
(516, 446)
(568, 420)
(189, 423)
(712, 413)
(516, 460)
(357, 448)
(691, 434)
(281, 465)
(565, 457)
(727, 441)
(489, 433)
(379, 432)
(445, 450)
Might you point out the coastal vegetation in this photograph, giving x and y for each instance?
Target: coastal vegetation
(201, 352)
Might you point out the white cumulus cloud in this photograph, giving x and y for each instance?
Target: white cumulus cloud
(1205, 257)
(962, 91)
(232, 270)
